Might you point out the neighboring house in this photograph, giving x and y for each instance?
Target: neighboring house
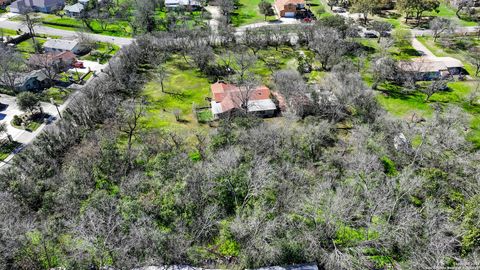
(432, 68)
(228, 98)
(45, 6)
(289, 8)
(74, 10)
(62, 60)
(63, 45)
(33, 81)
(3, 3)
(85, 2)
(192, 4)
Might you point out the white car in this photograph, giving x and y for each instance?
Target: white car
(339, 10)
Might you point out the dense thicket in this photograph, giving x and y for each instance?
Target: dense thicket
(339, 183)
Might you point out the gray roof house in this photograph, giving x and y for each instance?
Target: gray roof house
(35, 80)
(45, 6)
(74, 10)
(172, 4)
(62, 45)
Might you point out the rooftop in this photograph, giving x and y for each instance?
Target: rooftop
(228, 96)
(61, 44)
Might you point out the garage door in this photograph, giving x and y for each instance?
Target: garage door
(289, 14)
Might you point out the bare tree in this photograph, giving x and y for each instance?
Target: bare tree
(11, 67)
(434, 87)
(131, 112)
(48, 65)
(441, 25)
(31, 20)
(328, 46)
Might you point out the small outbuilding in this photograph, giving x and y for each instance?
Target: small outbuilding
(432, 68)
(74, 10)
(62, 45)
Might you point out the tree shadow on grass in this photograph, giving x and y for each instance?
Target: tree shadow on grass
(397, 92)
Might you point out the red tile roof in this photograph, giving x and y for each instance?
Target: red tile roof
(280, 4)
(229, 95)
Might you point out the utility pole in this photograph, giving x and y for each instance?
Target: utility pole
(56, 106)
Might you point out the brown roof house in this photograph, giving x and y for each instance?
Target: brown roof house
(62, 60)
(228, 99)
(289, 8)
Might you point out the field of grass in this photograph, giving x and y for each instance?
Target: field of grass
(446, 11)
(247, 12)
(117, 28)
(7, 32)
(103, 52)
(58, 94)
(184, 87)
(27, 47)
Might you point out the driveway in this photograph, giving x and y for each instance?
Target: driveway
(92, 65)
(417, 45)
(216, 17)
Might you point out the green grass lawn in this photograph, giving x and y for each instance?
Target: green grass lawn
(446, 11)
(7, 148)
(184, 87)
(59, 94)
(27, 47)
(404, 105)
(117, 28)
(103, 52)
(248, 12)
(7, 32)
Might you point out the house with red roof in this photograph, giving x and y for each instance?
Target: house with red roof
(289, 8)
(228, 99)
(63, 60)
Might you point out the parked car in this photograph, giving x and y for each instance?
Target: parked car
(78, 64)
(369, 34)
(339, 10)
(307, 20)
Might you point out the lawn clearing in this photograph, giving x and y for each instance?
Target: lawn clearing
(247, 12)
(118, 28)
(59, 94)
(445, 11)
(184, 88)
(405, 104)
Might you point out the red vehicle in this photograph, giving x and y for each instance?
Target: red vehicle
(78, 64)
(307, 20)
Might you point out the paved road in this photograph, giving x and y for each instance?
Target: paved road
(14, 25)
